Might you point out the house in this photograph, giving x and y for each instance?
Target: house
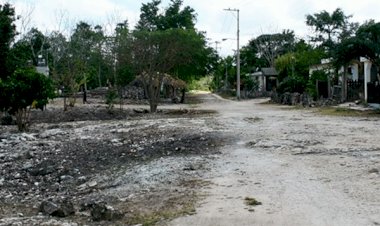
(359, 72)
(267, 79)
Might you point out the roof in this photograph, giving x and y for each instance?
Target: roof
(269, 71)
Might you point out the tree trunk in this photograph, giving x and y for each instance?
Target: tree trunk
(153, 96)
(153, 106)
(22, 119)
(329, 87)
(183, 96)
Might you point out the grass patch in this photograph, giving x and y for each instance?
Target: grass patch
(346, 112)
(252, 201)
(151, 219)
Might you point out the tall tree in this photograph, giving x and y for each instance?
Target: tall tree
(158, 53)
(149, 16)
(122, 49)
(38, 44)
(7, 34)
(175, 17)
(270, 46)
(368, 41)
(330, 28)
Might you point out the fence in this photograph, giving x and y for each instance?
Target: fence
(355, 90)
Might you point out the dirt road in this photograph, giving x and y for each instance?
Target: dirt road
(304, 168)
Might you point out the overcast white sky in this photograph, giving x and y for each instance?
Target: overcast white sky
(256, 16)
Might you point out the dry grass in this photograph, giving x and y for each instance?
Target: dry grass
(346, 112)
(252, 201)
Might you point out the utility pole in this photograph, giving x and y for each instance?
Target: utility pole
(216, 45)
(237, 54)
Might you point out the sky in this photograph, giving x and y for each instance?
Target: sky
(256, 16)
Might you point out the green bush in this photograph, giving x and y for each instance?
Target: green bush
(23, 90)
(292, 84)
(203, 84)
(111, 98)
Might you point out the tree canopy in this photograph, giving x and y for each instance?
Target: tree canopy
(330, 28)
(7, 34)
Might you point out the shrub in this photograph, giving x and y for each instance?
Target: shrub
(111, 98)
(23, 90)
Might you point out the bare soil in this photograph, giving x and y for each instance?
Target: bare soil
(146, 166)
(193, 164)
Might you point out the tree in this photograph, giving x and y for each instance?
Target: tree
(330, 28)
(293, 67)
(157, 53)
(149, 16)
(77, 72)
(21, 92)
(37, 43)
(7, 34)
(366, 43)
(122, 49)
(176, 18)
(270, 46)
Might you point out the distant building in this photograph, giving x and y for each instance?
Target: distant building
(42, 66)
(267, 79)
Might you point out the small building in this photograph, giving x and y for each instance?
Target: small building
(267, 79)
(362, 80)
(42, 66)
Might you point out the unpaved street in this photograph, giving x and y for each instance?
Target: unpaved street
(238, 163)
(305, 168)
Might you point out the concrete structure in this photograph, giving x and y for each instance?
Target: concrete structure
(42, 66)
(266, 78)
(361, 70)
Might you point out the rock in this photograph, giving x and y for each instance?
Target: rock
(66, 178)
(27, 166)
(82, 178)
(141, 111)
(103, 212)
(28, 137)
(62, 208)
(43, 171)
(50, 133)
(192, 167)
(48, 207)
(92, 184)
(30, 154)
